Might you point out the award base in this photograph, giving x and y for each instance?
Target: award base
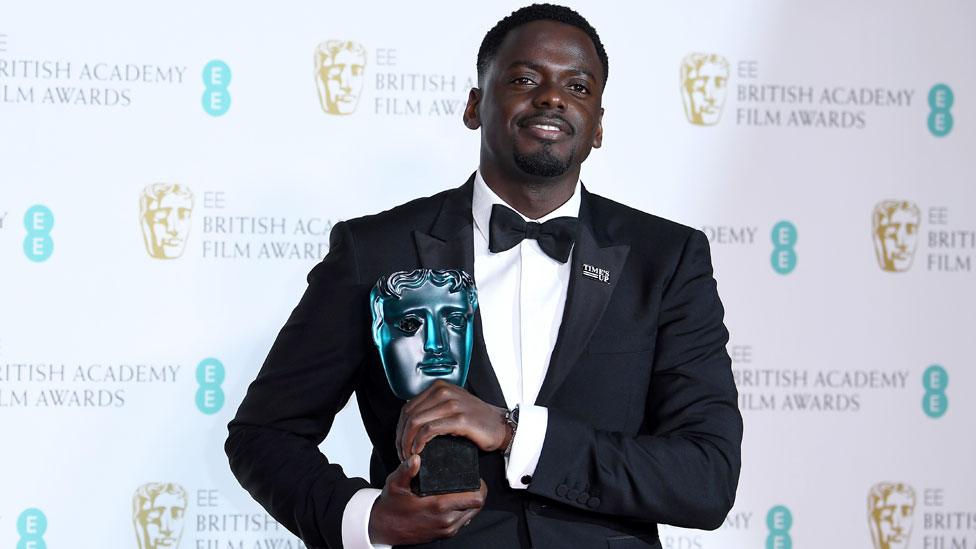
(448, 464)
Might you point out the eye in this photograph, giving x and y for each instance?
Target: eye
(522, 81)
(457, 320)
(581, 89)
(409, 324)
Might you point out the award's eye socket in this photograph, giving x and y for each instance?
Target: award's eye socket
(408, 324)
(457, 320)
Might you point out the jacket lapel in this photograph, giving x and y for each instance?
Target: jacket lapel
(586, 299)
(450, 245)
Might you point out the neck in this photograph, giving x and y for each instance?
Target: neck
(531, 196)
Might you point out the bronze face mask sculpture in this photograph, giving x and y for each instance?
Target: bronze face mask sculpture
(423, 327)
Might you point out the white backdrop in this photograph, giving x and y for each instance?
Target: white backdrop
(105, 382)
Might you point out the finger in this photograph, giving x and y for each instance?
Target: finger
(437, 391)
(460, 501)
(413, 422)
(407, 469)
(451, 425)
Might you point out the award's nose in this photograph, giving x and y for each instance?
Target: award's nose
(434, 337)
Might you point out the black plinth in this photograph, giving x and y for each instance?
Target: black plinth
(448, 464)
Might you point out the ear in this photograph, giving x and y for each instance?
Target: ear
(472, 120)
(598, 134)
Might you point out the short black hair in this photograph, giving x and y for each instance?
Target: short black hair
(537, 12)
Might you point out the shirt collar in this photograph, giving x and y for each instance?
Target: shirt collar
(483, 198)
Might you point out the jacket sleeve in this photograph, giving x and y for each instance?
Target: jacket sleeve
(685, 469)
(308, 376)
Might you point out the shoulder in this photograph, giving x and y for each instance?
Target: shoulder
(621, 224)
(399, 221)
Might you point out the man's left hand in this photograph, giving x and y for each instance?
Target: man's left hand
(447, 409)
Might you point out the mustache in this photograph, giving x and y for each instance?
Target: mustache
(547, 118)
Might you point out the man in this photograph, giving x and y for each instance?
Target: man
(603, 327)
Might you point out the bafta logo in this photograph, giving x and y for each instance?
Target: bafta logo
(890, 509)
(704, 81)
(157, 514)
(895, 230)
(339, 74)
(164, 214)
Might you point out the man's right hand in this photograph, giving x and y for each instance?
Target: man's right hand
(400, 517)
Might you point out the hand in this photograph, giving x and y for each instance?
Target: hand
(447, 409)
(401, 517)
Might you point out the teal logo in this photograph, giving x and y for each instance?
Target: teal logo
(216, 97)
(38, 245)
(784, 239)
(31, 525)
(210, 396)
(940, 117)
(779, 520)
(935, 402)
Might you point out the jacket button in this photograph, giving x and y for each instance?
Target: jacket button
(526, 480)
(583, 498)
(561, 490)
(572, 494)
(593, 503)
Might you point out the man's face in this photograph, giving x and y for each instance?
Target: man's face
(897, 235)
(168, 224)
(540, 107)
(705, 89)
(162, 523)
(893, 519)
(425, 335)
(341, 81)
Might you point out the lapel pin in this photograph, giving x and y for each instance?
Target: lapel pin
(596, 273)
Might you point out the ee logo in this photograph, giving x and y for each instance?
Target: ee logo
(210, 396)
(38, 245)
(31, 525)
(784, 239)
(940, 101)
(935, 402)
(216, 78)
(779, 520)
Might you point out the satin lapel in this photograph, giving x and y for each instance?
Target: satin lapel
(450, 246)
(586, 300)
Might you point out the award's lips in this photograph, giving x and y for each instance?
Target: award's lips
(437, 366)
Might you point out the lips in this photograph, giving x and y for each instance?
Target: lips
(437, 366)
(547, 127)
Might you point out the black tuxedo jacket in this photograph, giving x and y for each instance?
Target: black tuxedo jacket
(643, 422)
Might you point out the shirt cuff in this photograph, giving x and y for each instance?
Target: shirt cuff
(355, 520)
(527, 446)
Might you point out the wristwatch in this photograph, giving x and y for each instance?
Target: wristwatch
(511, 418)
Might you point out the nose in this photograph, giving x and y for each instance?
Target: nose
(433, 337)
(165, 524)
(549, 96)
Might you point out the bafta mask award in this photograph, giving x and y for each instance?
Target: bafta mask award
(423, 326)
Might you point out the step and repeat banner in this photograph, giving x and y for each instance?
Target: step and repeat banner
(170, 173)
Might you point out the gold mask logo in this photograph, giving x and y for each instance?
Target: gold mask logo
(704, 82)
(891, 506)
(340, 70)
(164, 215)
(158, 509)
(895, 226)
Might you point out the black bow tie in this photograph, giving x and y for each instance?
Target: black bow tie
(507, 228)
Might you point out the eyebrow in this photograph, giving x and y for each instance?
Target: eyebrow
(539, 68)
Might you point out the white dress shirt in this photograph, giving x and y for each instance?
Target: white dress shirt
(521, 297)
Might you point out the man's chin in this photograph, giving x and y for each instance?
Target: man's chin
(542, 163)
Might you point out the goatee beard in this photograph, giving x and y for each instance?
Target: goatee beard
(542, 163)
